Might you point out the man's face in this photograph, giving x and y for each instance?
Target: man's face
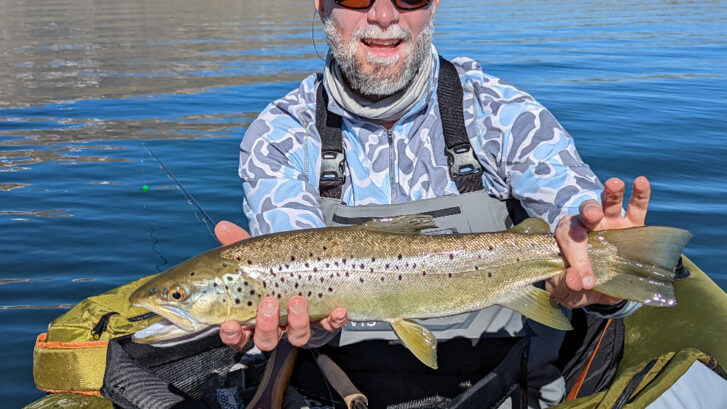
(378, 49)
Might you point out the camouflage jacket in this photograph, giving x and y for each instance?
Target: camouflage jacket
(525, 152)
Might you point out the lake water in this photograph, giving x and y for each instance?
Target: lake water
(88, 89)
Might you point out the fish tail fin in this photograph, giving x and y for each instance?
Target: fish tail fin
(535, 304)
(646, 258)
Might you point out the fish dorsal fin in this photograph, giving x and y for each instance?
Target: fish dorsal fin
(409, 224)
(417, 339)
(535, 304)
(532, 225)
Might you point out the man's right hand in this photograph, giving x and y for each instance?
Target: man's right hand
(267, 331)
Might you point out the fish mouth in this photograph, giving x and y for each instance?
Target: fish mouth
(165, 333)
(175, 315)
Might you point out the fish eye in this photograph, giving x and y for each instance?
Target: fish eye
(176, 294)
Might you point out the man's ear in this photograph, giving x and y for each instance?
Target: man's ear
(320, 7)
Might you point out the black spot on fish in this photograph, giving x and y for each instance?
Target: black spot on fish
(292, 275)
(245, 283)
(451, 256)
(325, 248)
(249, 303)
(229, 278)
(338, 274)
(224, 264)
(479, 256)
(265, 284)
(315, 269)
(517, 260)
(300, 277)
(287, 266)
(399, 256)
(387, 265)
(347, 274)
(252, 292)
(271, 271)
(296, 285)
(320, 295)
(309, 293)
(276, 285)
(318, 258)
(321, 279)
(239, 290)
(282, 279)
(343, 261)
(477, 268)
(280, 268)
(278, 296)
(237, 300)
(406, 265)
(310, 255)
(362, 266)
(249, 262)
(489, 274)
(227, 288)
(361, 279)
(330, 289)
(382, 279)
(373, 259)
(192, 274)
(449, 275)
(490, 247)
(238, 258)
(309, 277)
(424, 273)
(414, 265)
(223, 300)
(328, 265)
(371, 270)
(335, 263)
(307, 265)
(214, 284)
(331, 276)
(292, 258)
(396, 267)
(399, 276)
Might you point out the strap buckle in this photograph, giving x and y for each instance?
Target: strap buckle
(333, 165)
(462, 161)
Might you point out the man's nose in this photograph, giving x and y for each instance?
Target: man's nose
(383, 13)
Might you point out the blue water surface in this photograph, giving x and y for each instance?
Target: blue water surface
(640, 85)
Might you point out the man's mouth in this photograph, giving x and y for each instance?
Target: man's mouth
(377, 42)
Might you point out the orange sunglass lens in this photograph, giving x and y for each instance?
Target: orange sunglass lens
(356, 4)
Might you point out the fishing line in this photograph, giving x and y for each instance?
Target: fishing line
(154, 239)
(208, 222)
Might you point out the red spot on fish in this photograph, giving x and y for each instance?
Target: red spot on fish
(227, 288)
(451, 256)
(517, 259)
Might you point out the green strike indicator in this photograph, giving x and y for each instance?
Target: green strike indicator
(145, 188)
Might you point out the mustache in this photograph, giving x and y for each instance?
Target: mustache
(375, 32)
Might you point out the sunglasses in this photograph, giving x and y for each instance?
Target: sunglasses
(400, 4)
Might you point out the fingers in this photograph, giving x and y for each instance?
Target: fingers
(335, 321)
(228, 233)
(298, 328)
(639, 202)
(267, 329)
(590, 214)
(572, 237)
(612, 198)
(233, 335)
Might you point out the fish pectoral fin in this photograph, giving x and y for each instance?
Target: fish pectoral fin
(535, 304)
(532, 225)
(417, 339)
(409, 224)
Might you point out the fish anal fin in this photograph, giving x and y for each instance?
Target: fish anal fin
(532, 225)
(535, 304)
(417, 339)
(409, 224)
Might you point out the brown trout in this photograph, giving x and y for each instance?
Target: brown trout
(385, 270)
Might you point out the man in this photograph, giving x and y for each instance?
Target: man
(380, 78)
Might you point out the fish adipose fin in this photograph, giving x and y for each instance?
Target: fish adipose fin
(409, 224)
(532, 225)
(535, 304)
(645, 269)
(417, 339)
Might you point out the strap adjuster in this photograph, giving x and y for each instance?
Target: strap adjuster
(462, 161)
(333, 165)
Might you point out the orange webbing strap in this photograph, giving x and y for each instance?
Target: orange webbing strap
(69, 367)
(582, 377)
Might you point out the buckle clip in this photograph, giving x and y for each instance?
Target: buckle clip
(333, 165)
(462, 161)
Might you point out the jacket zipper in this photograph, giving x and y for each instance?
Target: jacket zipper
(392, 161)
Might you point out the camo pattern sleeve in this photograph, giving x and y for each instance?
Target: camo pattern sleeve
(529, 155)
(274, 168)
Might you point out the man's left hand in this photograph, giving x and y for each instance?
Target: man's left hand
(574, 288)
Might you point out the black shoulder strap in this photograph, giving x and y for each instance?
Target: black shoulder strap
(464, 167)
(333, 158)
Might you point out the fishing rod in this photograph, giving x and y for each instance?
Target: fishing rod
(206, 218)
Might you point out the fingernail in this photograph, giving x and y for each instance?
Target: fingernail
(268, 309)
(589, 281)
(228, 334)
(295, 306)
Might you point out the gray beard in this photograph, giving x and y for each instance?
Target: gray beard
(383, 81)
